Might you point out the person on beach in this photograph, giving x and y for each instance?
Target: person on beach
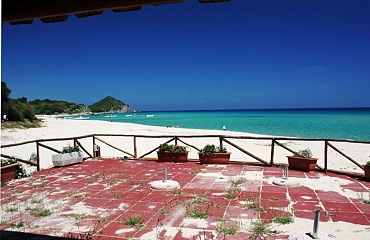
(224, 127)
(5, 118)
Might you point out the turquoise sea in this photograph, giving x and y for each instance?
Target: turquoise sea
(344, 123)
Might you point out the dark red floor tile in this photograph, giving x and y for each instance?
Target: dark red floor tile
(307, 206)
(267, 203)
(340, 207)
(148, 206)
(202, 183)
(311, 215)
(331, 196)
(356, 218)
(365, 208)
(249, 195)
(274, 196)
(301, 190)
(94, 202)
(243, 211)
(296, 197)
(274, 189)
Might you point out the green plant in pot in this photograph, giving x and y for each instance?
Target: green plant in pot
(211, 154)
(172, 153)
(306, 153)
(70, 149)
(302, 161)
(165, 147)
(11, 169)
(69, 155)
(367, 171)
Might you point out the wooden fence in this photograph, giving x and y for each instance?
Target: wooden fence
(272, 143)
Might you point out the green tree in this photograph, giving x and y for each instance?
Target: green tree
(5, 92)
(16, 110)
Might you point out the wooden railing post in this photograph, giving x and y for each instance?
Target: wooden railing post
(93, 146)
(326, 156)
(272, 152)
(220, 138)
(176, 140)
(38, 155)
(135, 149)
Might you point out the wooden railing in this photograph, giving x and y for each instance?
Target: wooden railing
(222, 140)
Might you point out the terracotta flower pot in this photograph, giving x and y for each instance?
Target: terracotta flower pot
(172, 157)
(8, 172)
(367, 173)
(302, 163)
(215, 158)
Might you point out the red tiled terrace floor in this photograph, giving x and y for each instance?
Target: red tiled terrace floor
(100, 196)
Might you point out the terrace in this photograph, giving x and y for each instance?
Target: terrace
(112, 199)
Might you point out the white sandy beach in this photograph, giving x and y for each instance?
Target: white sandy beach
(68, 128)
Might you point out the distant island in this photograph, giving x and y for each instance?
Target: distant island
(108, 104)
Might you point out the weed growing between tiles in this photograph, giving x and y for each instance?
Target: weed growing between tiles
(134, 221)
(360, 196)
(234, 189)
(260, 230)
(198, 207)
(228, 227)
(84, 235)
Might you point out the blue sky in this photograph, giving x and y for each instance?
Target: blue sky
(190, 56)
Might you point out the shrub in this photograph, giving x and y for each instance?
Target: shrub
(165, 147)
(210, 148)
(70, 149)
(304, 153)
(20, 172)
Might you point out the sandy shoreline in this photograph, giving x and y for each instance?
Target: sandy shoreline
(68, 128)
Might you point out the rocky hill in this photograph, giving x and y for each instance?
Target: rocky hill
(108, 104)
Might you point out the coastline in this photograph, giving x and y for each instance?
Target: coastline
(69, 128)
(342, 123)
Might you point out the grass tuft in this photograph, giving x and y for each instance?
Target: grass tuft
(134, 221)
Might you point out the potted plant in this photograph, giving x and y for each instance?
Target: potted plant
(172, 153)
(367, 171)
(69, 155)
(210, 154)
(11, 170)
(302, 161)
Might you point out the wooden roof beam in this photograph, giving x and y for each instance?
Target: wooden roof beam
(26, 10)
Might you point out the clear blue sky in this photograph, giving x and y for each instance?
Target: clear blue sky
(242, 54)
